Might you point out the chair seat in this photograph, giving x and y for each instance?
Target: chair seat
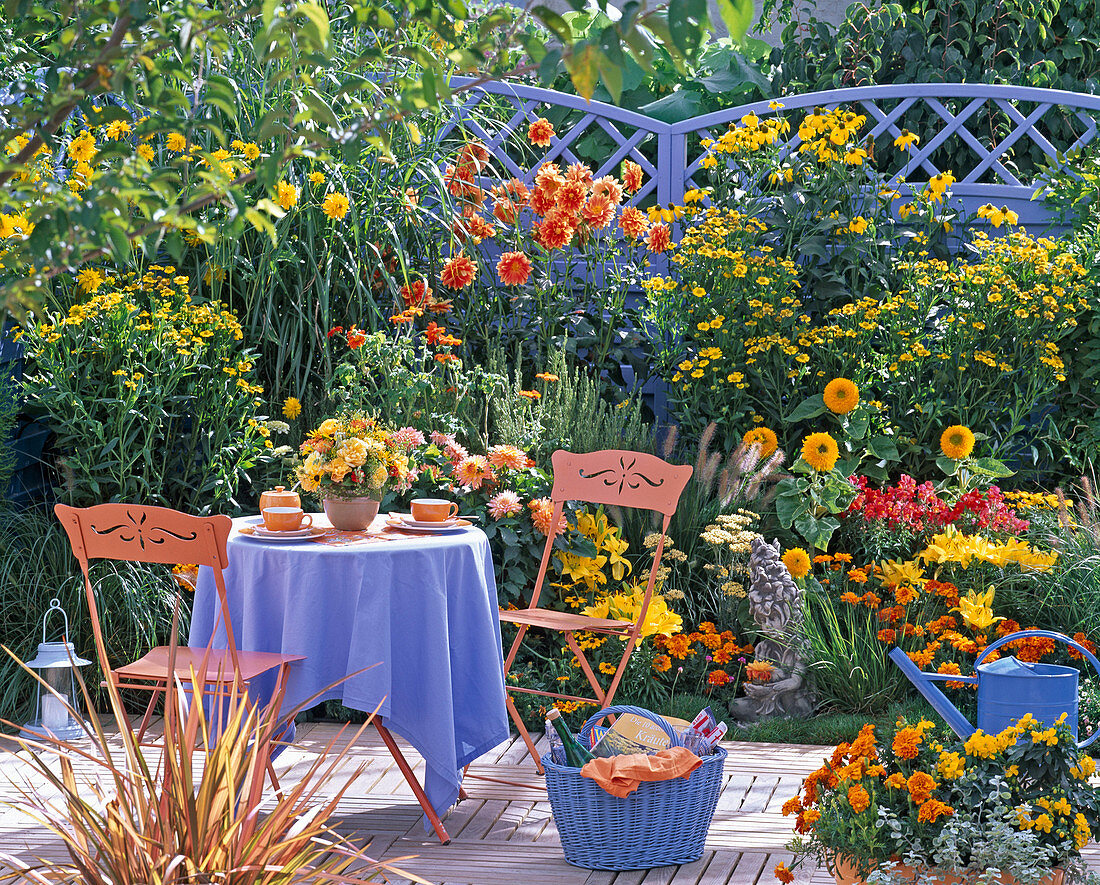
(218, 663)
(555, 620)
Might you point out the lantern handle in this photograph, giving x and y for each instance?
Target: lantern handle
(55, 605)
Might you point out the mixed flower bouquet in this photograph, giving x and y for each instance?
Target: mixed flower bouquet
(1018, 803)
(352, 456)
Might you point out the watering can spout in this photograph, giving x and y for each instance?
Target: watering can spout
(924, 684)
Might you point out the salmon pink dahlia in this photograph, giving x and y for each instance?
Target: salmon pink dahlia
(598, 212)
(632, 176)
(513, 268)
(540, 132)
(608, 187)
(504, 504)
(633, 223)
(507, 456)
(659, 239)
(473, 471)
(458, 272)
(542, 511)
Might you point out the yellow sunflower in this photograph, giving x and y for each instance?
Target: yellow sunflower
(820, 451)
(797, 562)
(765, 438)
(957, 442)
(841, 396)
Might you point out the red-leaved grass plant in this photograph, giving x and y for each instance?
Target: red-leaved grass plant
(154, 818)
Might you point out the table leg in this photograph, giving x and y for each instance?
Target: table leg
(410, 777)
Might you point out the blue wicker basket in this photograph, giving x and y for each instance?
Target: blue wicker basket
(661, 823)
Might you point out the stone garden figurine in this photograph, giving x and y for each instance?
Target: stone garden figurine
(776, 605)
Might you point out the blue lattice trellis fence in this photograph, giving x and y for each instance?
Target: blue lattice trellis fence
(951, 119)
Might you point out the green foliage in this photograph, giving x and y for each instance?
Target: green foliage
(850, 671)
(569, 412)
(9, 411)
(1041, 43)
(148, 394)
(36, 564)
(317, 92)
(397, 377)
(724, 73)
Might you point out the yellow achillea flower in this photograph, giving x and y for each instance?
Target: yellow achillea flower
(957, 442)
(841, 396)
(820, 451)
(336, 206)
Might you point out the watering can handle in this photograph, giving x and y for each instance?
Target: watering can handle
(1049, 634)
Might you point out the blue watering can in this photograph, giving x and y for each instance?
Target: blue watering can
(1007, 688)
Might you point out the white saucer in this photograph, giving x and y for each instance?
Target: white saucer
(431, 524)
(303, 532)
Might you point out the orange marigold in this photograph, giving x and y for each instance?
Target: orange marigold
(920, 785)
(907, 742)
(858, 798)
(783, 874)
(719, 677)
(792, 806)
(933, 809)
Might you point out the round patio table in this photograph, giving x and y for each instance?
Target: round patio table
(418, 612)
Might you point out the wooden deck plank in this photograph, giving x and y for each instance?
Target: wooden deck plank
(505, 832)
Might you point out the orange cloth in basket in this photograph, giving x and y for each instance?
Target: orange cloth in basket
(620, 775)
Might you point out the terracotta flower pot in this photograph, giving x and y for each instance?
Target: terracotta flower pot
(351, 514)
(846, 874)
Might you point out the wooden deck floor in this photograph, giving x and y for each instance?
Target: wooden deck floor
(505, 834)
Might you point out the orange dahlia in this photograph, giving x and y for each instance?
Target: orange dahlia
(540, 132)
(633, 223)
(458, 272)
(632, 176)
(659, 239)
(513, 268)
(598, 212)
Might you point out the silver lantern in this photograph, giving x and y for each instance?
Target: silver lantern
(56, 664)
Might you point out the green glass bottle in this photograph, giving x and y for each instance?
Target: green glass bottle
(575, 754)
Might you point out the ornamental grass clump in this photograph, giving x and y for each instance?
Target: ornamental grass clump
(1017, 803)
(150, 392)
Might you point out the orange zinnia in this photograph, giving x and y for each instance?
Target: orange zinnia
(540, 132)
(458, 272)
(513, 268)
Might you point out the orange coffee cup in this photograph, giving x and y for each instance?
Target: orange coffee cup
(286, 519)
(433, 509)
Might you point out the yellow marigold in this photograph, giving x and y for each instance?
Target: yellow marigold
(765, 438)
(841, 396)
(957, 442)
(292, 408)
(335, 206)
(286, 194)
(820, 451)
(797, 562)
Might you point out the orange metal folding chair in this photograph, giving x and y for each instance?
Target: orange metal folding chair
(614, 478)
(134, 533)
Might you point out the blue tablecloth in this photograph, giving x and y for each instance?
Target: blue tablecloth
(423, 610)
